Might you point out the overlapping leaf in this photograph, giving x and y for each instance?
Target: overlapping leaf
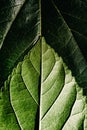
(19, 97)
(59, 36)
(62, 104)
(76, 18)
(23, 32)
(41, 92)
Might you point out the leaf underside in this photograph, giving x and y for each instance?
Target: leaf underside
(43, 66)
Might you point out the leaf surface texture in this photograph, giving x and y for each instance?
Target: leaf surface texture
(43, 68)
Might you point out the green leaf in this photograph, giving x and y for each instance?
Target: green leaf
(62, 104)
(8, 13)
(75, 16)
(59, 36)
(23, 93)
(43, 69)
(7, 116)
(23, 33)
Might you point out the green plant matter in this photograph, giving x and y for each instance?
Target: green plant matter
(43, 65)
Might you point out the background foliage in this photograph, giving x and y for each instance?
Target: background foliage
(43, 64)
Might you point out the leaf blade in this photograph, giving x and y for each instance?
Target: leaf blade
(23, 34)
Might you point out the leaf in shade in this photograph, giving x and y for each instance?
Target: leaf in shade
(43, 70)
(23, 33)
(8, 12)
(76, 18)
(60, 37)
